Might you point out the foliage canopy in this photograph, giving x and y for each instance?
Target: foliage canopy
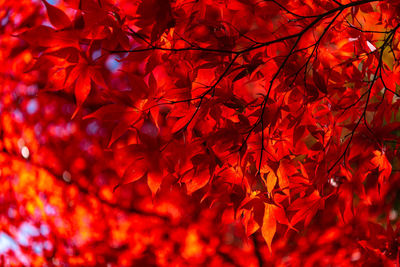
(199, 133)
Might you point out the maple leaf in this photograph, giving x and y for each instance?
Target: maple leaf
(306, 208)
(381, 162)
(213, 119)
(57, 17)
(268, 227)
(82, 86)
(81, 77)
(270, 179)
(154, 180)
(134, 172)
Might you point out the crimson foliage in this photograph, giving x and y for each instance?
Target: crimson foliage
(199, 133)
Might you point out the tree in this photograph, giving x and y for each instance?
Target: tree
(200, 133)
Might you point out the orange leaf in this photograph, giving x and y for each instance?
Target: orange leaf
(250, 225)
(268, 228)
(380, 160)
(270, 177)
(283, 179)
(385, 168)
(271, 181)
(154, 179)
